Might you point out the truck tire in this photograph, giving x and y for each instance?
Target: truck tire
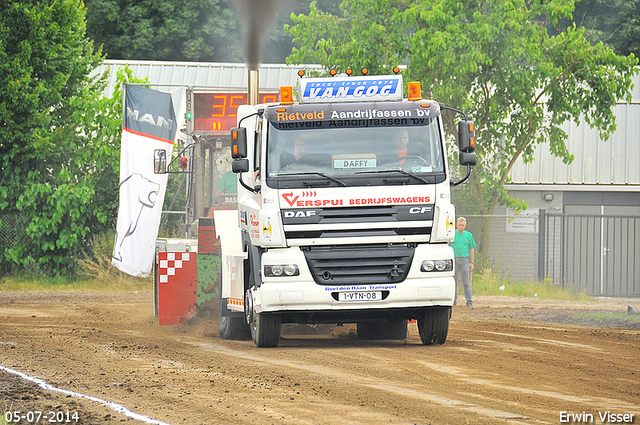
(233, 328)
(433, 326)
(265, 328)
(382, 330)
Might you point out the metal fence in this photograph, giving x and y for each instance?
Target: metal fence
(598, 254)
(595, 253)
(507, 243)
(10, 230)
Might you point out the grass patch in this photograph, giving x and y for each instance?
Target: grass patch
(608, 317)
(96, 274)
(492, 282)
(62, 283)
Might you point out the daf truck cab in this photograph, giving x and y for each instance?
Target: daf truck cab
(344, 213)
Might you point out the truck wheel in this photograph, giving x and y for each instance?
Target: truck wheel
(265, 328)
(233, 328)
(433, 326)
(382, 330)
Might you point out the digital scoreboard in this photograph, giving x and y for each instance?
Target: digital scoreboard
(218, 111)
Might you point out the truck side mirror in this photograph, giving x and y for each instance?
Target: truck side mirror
(238, 142)
(467, 158)
(160, 161)
(467, 143)
(466, 136)
(240, 165)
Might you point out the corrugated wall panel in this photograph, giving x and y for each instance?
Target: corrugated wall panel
(204, 75)
(633, 143)
(597, 158)
(519, 173)
(576, 168)
(560, 170)
(620, 145)
(611, 162)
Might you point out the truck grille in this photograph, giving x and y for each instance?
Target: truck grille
(372, 264)
(382, 221)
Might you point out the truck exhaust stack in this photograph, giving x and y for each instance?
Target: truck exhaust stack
(253, 87)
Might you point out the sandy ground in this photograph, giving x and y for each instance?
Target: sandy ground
(507, 360)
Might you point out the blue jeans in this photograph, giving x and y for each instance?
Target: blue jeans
(463, 273)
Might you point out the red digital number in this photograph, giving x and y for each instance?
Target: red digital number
(237, 100)
(218, 111)
(221, 106)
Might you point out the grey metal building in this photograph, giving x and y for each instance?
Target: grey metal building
(590, 221)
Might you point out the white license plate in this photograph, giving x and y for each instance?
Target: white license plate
(360, 296)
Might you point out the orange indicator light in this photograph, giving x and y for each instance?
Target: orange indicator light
(415, 91)
(286, 95)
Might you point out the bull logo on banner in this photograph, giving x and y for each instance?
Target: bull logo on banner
(148, 125)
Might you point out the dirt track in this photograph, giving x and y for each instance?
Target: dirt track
(507, 360)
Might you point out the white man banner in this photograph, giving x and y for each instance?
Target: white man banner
(148, 124)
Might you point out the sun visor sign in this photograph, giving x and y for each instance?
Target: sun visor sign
(353, 114)
(350, 89)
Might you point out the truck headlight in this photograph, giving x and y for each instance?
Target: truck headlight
(277, 270)
(428, 265)
(437, 265)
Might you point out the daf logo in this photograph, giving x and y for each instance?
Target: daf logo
(419, 210)
(299, 214)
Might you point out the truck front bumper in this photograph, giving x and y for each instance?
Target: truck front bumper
(301, 293)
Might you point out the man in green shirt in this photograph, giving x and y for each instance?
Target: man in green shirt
(463, 250)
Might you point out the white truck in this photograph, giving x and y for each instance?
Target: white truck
(344, 212)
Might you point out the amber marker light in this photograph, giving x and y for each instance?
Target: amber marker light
(349, 72)
(286, 95)
(301, 73)
(333, 72)
(415, 92)
(365, 71)
(396, 70)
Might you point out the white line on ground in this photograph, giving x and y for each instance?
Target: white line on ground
(114, 406)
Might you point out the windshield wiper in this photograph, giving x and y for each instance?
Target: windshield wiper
(341, 183)
(395, 170)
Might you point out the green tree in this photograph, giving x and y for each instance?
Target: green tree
(367, 34)
(59, 137)
(182, 30)
(614, 22)
(279, 43)
(494, 59)
(196, 30)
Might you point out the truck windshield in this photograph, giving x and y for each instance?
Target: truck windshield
(354, 148)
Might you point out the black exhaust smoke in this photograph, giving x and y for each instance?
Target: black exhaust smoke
(257, 18)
